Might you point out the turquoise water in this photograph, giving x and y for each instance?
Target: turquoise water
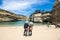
(17, 23)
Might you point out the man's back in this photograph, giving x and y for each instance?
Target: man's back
(26, 25)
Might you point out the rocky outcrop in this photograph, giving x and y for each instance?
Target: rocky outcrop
(56, 13)
(36, 16)
(9, 16)
(40, 17)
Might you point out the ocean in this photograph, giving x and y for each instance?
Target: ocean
(17, 23)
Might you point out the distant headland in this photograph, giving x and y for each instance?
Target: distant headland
(7, 16)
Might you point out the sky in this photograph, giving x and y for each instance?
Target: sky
(26, 7)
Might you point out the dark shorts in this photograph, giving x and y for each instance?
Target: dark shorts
(26, 29)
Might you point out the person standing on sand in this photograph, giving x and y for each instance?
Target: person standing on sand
(48, 24)
(26, 25)
(30, 28)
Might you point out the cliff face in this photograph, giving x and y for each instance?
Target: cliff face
(9, 16)
(40, 17)
(56, 13)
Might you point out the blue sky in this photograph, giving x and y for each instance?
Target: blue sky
(26, 7)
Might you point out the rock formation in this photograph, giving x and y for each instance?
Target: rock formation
(56, 13)
(9, 16)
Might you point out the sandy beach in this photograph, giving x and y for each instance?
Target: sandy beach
(39, 33)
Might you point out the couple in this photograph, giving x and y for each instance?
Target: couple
(28, 28)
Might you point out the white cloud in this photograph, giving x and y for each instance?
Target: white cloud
(20, 5)
(15, 5)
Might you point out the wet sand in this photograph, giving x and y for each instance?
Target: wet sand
(39, 33)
